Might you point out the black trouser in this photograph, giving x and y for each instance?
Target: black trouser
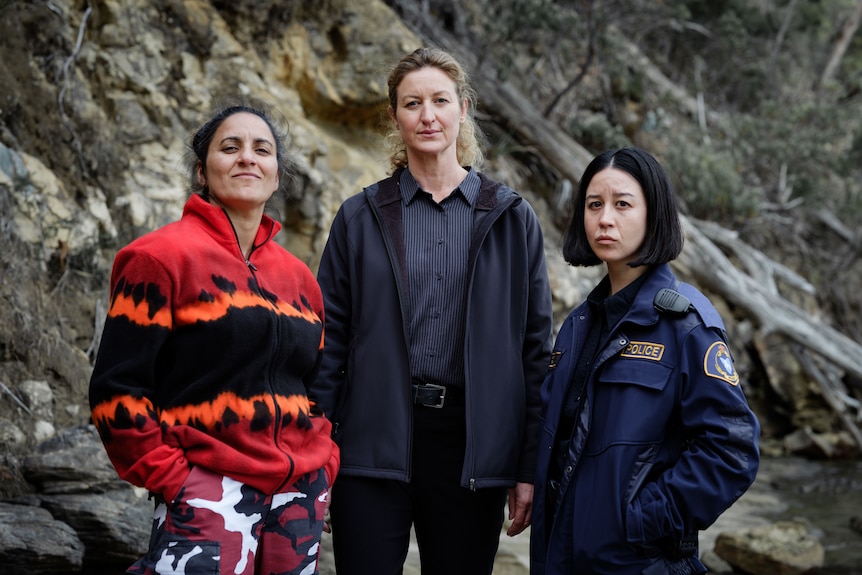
(458, 530)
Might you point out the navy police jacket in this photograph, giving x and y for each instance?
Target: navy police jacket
(663, 443)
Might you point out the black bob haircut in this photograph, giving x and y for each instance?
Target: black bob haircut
(664, 237)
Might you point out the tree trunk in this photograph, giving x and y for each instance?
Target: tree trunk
(841, 45)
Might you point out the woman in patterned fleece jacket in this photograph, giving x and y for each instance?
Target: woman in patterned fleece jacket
(199, 390)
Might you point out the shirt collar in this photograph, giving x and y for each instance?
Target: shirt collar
(615, 306)
(469, 187)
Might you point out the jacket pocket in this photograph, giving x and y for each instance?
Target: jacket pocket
(631, 403)
(636, 372)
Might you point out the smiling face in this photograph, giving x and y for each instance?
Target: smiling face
(615, 216)
(241, 169)
(429, 113)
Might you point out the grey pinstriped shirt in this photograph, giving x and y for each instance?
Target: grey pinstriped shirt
(436, 240)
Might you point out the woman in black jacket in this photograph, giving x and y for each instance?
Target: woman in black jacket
(438, 327)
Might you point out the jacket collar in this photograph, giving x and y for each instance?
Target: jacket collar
(488, 198)
(215, 221)
(642, 310)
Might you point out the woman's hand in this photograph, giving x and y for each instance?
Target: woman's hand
(520, 508)
(327, 526)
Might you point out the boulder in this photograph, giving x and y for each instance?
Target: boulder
(73, 461)
(78, 486)
(32, 542)
(781, 548)
(114, 526)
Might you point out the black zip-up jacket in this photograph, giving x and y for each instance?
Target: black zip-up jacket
(364, 382)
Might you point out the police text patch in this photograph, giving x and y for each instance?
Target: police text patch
(644, 350)
(717, 363)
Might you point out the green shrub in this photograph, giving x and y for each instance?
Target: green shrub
(709, 182)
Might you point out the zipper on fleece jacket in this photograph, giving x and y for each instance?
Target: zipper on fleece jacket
(253, 269)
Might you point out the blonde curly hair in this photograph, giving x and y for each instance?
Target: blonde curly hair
(469, 151)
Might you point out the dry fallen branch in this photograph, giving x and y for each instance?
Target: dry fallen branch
(5, 389)
(712, 268)
(829, 219)
(835, 394)
(757, 264)
(67, 65)
(756, 297)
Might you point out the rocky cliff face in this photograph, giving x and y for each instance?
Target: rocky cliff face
(97, 99)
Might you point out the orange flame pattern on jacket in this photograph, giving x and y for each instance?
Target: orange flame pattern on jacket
(209, 415)
(210, 309)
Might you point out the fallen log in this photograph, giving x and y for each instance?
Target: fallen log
(758, 300)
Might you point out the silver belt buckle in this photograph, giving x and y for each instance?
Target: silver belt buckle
(442, 394)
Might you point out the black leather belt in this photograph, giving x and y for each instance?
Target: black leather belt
(433, 395)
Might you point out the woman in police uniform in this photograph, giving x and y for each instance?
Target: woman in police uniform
(647, 435)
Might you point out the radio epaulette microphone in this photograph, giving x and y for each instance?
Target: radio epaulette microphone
(671, 302)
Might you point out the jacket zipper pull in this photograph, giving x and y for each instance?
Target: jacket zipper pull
(251, 266)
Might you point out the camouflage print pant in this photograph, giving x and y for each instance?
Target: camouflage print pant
(219, 526)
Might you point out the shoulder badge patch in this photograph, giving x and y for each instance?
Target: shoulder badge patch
(717, 363)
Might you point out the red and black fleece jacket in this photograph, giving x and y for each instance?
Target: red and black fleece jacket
(206, 358)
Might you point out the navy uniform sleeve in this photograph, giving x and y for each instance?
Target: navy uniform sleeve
(721, 457)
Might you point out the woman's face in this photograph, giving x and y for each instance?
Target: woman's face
(428, 113)
(242, 165)
(615, 216)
